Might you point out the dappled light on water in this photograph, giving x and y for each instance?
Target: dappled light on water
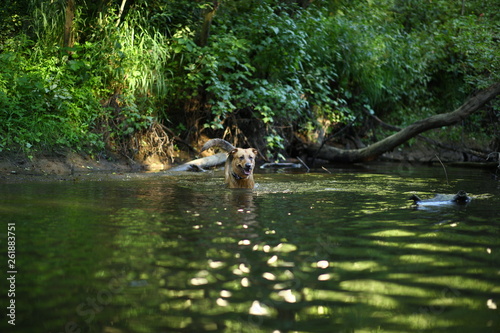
(308, 253)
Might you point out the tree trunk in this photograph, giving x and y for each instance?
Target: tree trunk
(208, 15)
(68, 24)
(375, 150)
(120, 13)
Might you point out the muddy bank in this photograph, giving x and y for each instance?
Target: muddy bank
(18, 167)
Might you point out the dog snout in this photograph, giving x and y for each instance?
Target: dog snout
(248, 166)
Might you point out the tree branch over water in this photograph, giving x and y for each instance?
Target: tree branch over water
(373, 151)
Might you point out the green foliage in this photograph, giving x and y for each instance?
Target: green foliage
(40, 104)
(11, 18)
(51, 95)
(47, 24)
(275, 145)
(480, 57)
(321, 66)
(134, 118)
(247, 67)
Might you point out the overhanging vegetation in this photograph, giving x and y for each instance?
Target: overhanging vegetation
(142, 78)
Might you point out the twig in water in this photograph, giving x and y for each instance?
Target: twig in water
(325, 169)
(303, 163)
(445, 173)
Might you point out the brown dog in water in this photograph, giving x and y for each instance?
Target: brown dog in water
(238, 170)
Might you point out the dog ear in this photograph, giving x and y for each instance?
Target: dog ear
(255, 151)
(232, 152)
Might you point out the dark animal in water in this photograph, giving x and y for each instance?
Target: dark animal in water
(461, 198)
(240, 163)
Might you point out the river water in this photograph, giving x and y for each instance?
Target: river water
(303, 252)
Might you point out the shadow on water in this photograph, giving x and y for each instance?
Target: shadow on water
(304, 252)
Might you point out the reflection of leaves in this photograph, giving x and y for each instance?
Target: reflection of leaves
(314, 251)
(133, 223)
(136, 238)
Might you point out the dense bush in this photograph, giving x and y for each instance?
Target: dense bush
(42, 103)
(267, 68)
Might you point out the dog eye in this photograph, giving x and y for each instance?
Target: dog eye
(242, 158)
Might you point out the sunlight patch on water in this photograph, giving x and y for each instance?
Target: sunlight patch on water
(245, 282)
(271, 261)
(288, 296)
(285, 247)
(215, 264)
(269, 276)
(393, 233)
(422, 321)
(199, 281)
(326, 277)
(319, 294)
(457, 282)
(383, 287)
(491, 304)
(322, 264)
(358, 265)
(222, 302)
(442, 248)
(258, 309)
(423, 259)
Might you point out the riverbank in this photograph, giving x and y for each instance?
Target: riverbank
(64, 164)
(14, 166)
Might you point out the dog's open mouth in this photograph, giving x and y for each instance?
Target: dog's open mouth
(247, 171)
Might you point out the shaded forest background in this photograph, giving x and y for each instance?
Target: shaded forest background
(155, 78)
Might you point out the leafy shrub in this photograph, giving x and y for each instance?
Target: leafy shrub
(282, 67)
(42, 107)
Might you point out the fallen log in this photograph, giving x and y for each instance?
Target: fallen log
(463, 150)
(277, 165)
(202, 163)
(373, 151)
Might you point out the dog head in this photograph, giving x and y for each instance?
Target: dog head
(243, 161)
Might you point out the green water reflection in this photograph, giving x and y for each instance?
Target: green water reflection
(340, 252)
